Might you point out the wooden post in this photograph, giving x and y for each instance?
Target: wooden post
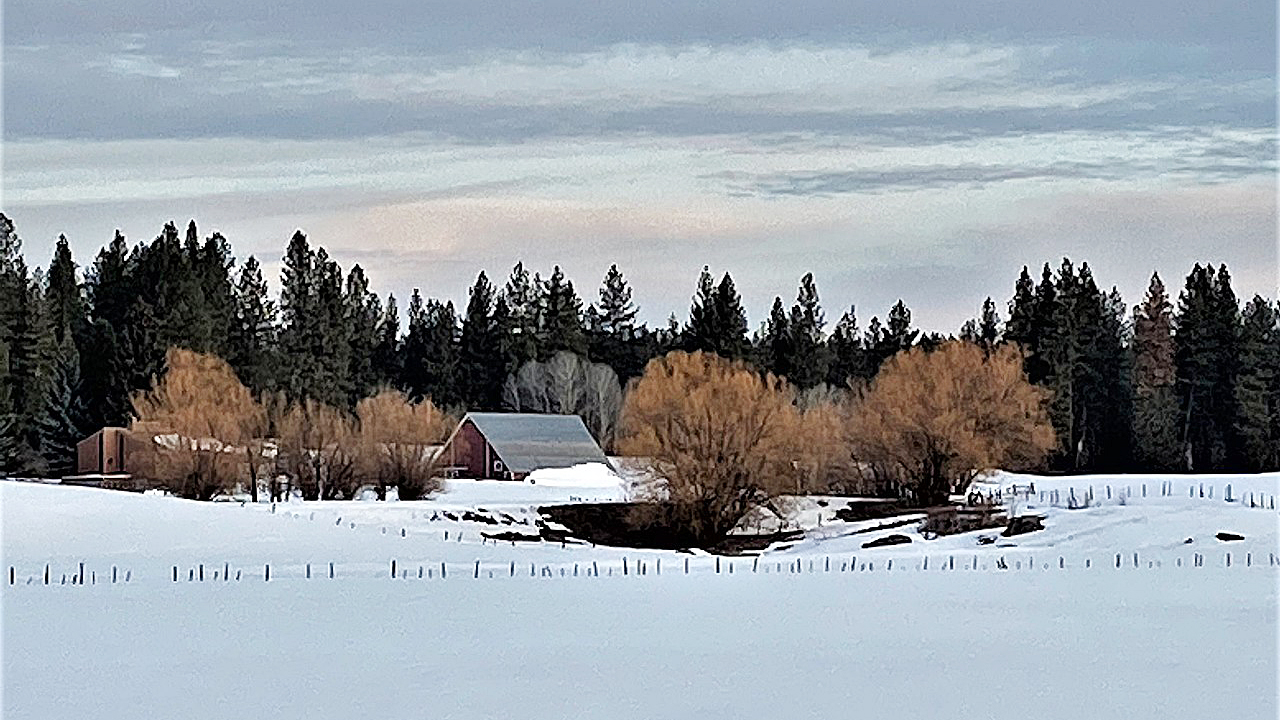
(201, 572)
(331, 571)
(175, 574)
(477, 577)
(393, 569)
(266, 572)
(11, 575)
(81, 573)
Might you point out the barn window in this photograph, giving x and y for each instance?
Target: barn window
(497, 466)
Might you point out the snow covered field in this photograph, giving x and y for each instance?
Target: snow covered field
(822, 627)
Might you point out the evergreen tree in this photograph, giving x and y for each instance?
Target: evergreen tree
(562, 318)
(614, 338)
(332, 342)
(809, 361)
(482, 361)
(989, 325)
(63, 296)
(388, 359)
(59, 423)
(524, 304)
(431, 364)
(212, 265)
(700, 333)
(776, 350)
(251, 344)
(1155, 418)
(884, 342)
(1020, 327)
(313, 335)
(1205, 351)
(1257, 394)
(363, 313)
(844, 347)
(731, 321)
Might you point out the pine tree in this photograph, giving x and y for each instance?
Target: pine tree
(212, 265)
(388, 358)
(884, 342)
(1020, 328)
(298, 318)
(562, 318)
(482, 362)
(63, 296)
(989, 325)
(523, 301)
(614, 338)
(1155, 418)
(1205, 352)
(776, 351)
(332, 339)
(59, 423)
(809, 361)
(362, 314)
(1257, 398)
(730, 330)
(844, 347)
(431, 364)
(700, 333)
(251, 344)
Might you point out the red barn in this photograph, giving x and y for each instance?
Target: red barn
(509, 446)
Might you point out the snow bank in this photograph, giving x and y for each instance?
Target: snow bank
(586, 475)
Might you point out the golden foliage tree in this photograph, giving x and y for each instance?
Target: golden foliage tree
(722, 439)
(191, 426)
(941, 417)
(322, 449)
(399, 439)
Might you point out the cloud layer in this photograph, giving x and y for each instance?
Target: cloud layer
(922, 153)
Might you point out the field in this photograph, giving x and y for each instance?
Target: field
(1107, 613)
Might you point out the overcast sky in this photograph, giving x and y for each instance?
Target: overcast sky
(922, 151)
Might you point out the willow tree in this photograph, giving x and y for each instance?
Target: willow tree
(191, 427)
(399, 439)
(939, 418)
(720, 438)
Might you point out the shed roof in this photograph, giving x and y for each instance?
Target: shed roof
(529, 441)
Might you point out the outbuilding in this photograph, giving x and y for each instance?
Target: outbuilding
(509, 446)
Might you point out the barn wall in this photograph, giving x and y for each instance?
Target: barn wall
(469, 449)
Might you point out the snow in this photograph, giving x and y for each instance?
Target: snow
(1183, 631)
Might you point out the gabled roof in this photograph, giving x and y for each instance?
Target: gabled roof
(529, 441)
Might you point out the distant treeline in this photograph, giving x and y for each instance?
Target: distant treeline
(1148, 388)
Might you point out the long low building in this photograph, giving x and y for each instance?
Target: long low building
(509, 446)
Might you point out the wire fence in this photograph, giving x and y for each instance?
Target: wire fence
(1086, 496)
(83, 574)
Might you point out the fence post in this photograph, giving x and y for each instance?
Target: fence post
(266, 572)
(659, 565)
(444, 572)
(477, 577)
(175, 574)
(331, 571)
(11, 576)
(113, 575)
(393, 569)
(81, 573)
(595, 569)
(308, 571)
(755, 564)
(624, 565)
(717, 564)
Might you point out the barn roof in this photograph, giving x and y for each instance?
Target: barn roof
(529, 441)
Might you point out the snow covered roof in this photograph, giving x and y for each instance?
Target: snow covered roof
(529, 441)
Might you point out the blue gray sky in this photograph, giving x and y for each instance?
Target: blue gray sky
(923, 151)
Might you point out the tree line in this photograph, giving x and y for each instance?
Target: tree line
(1154, 387)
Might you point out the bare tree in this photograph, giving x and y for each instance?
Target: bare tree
(941, 417)
(568, 384)
(192, 425)
(719, 438)
(400, 439)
